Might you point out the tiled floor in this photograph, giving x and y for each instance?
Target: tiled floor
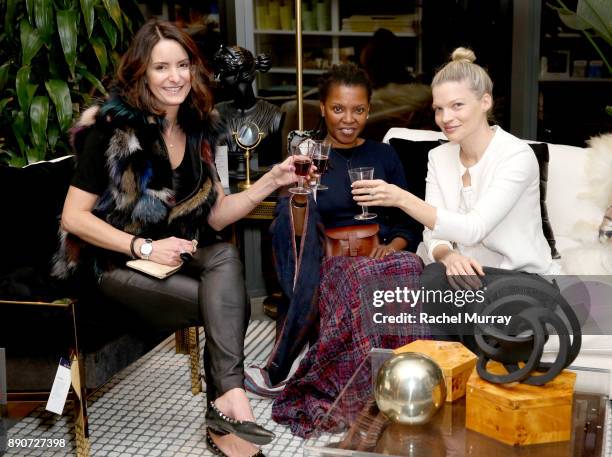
(148, 410)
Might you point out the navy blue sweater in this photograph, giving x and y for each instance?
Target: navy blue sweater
(336, 205)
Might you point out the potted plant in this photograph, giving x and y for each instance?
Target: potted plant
(55, 57)
(594, 19)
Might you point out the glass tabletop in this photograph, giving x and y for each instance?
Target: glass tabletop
(354, 426)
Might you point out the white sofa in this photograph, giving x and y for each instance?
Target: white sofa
(575, 215)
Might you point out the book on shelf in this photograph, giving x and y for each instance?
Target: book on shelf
(403, 23)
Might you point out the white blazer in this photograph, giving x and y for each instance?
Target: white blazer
(505, 217)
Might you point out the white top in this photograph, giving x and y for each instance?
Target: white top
(497, 219)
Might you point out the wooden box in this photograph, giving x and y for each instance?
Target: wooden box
(519, 414)
(456, 361)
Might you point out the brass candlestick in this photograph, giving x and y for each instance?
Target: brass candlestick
(247, 138)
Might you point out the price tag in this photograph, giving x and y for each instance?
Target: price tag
(222, 165)
(60, 388)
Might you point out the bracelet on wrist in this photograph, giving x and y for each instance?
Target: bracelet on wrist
(132, 250)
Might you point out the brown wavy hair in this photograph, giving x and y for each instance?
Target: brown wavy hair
(130, 80)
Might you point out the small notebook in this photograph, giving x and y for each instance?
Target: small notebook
(154, 269)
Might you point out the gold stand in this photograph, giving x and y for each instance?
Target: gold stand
(247, 157)
(247, 182)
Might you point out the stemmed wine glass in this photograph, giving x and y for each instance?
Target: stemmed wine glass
(302, 158)
(358, 174)
(319, 160)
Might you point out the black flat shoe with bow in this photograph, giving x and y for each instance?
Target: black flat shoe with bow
(212, 447)
(246, 430)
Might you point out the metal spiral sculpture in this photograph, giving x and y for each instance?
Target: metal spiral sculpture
(533, 304)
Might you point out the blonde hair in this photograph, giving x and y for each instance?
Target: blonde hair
(462, 68)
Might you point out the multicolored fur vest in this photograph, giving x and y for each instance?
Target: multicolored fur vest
(140, 199)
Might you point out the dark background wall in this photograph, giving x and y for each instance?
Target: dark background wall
(485, 26)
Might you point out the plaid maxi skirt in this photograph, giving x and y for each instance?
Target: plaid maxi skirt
(347, 305)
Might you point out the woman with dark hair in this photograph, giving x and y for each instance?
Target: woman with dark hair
(344, 95)
(146, 187)
(334, 314)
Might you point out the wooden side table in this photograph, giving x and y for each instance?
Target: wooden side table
(251, 237)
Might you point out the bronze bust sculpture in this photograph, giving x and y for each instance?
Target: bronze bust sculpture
(235, 68)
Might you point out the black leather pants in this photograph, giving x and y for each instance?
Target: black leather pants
(210, 291)
(434, 278)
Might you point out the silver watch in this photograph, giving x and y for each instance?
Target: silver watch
(146, 249)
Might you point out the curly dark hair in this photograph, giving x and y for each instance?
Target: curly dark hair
(347, 74)
(235, 60)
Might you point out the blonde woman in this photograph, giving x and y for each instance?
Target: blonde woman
(482, 205)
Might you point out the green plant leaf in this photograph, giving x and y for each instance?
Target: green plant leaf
(19, 127)
(572, 20)
(39, 116)
(109, 30)
(4, 102)
(9, 18)
(598, 13)
(87, 7)
(95, 82)
(67, 30)
(31, 41)
(115, 58)
(25, 89)
(18, 161)
(60, 96)
(100, 50)
(133, 17)
(114, 11)
(4, 74)
(43, 18)
(609, 110)
(53, 134)
(30, 10)
(35, 154)
(589, 14)
(127, 21)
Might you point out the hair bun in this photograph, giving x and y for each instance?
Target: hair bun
(263, 62)
(463, 55)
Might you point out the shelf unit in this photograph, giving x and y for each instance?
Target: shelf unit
(321, 48)
(568, 87)
(573, 79)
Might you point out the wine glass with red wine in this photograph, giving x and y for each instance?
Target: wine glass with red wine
(320, 157)
(302, 159)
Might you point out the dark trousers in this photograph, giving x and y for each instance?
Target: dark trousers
(209, 290)
(434, 278)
